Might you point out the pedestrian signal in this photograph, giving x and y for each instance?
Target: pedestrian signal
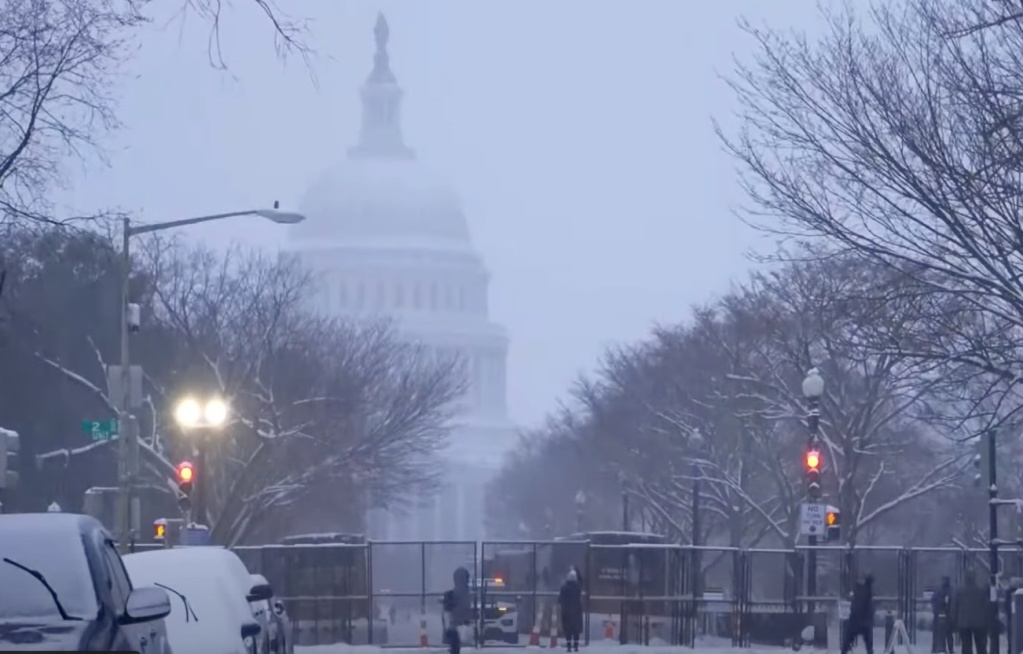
(186, 475)
(833, 525)
(159, 529)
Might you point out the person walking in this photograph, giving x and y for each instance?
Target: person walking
(861, 616)
(942, 636)
(571, 600)
(457, 605)
(971, 614)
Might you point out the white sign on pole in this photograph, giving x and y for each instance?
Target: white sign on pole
(812, 519)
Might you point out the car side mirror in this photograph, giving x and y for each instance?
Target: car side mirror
(145, 605)
(260, 592)
(251, 629)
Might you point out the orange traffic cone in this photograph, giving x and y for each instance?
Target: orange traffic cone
(534, 634)
(609, 630)
(423, 640)
(554, 630)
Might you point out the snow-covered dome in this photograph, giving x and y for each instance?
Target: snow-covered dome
(381, 191)
(381, 198)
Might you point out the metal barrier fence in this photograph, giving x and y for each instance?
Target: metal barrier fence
(389, 593)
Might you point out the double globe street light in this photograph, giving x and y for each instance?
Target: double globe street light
(201, 416)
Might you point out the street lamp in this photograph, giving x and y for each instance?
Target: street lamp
(202, 416)
(191, 413)
(696, 442)
(813, 390)
(623, 482)
(127, 519)
(580, 507)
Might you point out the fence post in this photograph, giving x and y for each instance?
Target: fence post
(371, 610)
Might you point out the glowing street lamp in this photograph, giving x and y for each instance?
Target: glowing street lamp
(192, 413)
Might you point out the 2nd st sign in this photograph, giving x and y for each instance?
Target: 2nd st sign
(100, 430)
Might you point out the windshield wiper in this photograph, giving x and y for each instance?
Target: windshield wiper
(39, 576)
(184, 600)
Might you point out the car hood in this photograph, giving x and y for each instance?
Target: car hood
(27, 635)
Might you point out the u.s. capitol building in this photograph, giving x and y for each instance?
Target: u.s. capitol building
(386, 237)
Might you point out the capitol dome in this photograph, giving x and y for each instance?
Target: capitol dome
(381, 192)
(380, 199)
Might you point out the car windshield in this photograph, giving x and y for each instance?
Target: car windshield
(60, 560)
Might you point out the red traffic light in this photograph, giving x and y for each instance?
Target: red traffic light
(185, 472)
(186, 475)
(813, 460)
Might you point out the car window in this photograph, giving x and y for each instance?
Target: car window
(120, 586)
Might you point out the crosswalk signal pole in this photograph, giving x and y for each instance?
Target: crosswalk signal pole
(813, 389)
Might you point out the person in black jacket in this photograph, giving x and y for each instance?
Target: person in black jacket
(861, 617)
(942, 628)
(571, 600)
(457, 604)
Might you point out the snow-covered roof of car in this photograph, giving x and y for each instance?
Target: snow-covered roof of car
(50, 543)
(214, 580)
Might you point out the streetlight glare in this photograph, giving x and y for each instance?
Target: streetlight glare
(280, 217)
(215, 412)
(188, 413)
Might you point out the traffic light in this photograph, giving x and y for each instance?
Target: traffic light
(186, 475)
(813, 471)
(833, 524)
(159, 529)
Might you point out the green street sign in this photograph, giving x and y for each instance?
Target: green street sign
(100, 430)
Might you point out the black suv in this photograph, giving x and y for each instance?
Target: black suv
(63, 588)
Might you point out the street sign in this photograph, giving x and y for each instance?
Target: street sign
(100, 430)
(812, 519)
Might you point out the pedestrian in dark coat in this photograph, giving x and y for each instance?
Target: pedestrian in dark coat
(571, 600)
(971, 614)
(942, 641)
(457, 604)
(861, 617)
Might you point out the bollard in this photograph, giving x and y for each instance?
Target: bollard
(889, 628)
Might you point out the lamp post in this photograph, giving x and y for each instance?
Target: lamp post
(696, 442)
(623, 482)
(129, 511)
(580, 508)
(201, 417)
(813, 389)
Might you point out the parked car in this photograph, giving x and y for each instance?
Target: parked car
(212, 590)
(64, 588)
(272, 616)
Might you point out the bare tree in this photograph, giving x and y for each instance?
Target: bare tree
(58, 59)
(316, 399)
(319, 406)
(896, 135)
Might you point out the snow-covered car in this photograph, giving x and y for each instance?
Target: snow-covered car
(210, 591)
(63, 588)
(271, 615)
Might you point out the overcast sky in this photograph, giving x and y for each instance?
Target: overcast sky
(578, 133)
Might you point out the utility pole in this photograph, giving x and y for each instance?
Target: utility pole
(991, 447)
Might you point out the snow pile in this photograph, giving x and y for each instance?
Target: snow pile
(211, 581)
